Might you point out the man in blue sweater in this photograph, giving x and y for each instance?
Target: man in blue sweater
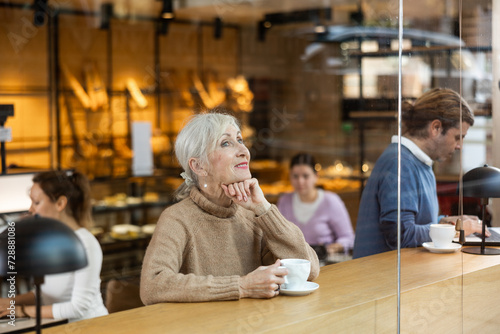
(431, 131)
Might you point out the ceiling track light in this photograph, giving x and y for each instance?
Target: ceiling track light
(40, 11)
(106, 15)
(218, 28)
(167, 11)
(262, 27)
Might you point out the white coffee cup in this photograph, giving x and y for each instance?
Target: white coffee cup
(298, 272)
(442, 235)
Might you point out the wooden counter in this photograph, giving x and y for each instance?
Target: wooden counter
(441, 293)
(23, 325)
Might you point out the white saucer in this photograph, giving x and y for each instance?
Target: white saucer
(430, 247)
(308, 288)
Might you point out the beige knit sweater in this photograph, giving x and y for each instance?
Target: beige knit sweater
(199, 250)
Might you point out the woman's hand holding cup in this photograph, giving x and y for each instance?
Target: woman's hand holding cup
(263, 282)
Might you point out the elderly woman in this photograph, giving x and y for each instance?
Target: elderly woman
(223, 240)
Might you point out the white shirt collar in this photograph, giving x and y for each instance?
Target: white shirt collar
(305, 211)
(414, 149)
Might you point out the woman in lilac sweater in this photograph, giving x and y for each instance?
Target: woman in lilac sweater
(321, 215)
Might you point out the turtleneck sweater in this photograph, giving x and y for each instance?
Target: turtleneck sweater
(199, 250)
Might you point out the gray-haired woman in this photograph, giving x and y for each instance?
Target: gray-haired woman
(223, 240)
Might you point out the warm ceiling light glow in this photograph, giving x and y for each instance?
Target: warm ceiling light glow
(320, 29)
(167, 16)
(136, 93)
(77, 88)
(96, 90)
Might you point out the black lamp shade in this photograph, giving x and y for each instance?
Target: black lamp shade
(482, 182)
(43, 246)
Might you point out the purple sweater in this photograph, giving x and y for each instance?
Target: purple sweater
(329, 224)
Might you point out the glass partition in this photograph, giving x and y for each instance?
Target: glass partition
(481, 148)
(444, 294)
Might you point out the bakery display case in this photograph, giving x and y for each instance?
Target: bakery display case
(125, 212)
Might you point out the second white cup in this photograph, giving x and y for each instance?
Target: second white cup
(298, 272)
(442, 235)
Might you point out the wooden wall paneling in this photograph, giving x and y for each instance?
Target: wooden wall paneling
(82, 47)
(24, 51)
(133, 53)
(221, 55)
(24, 81)
(179, 46)
(80, 42)
(263, 59)
(178, 60)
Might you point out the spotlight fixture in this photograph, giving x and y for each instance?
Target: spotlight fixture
(262, 27)
(217, 28)
(167, 12)
(106, 15)
(40, 11)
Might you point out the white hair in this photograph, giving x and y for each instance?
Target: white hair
(197, 140)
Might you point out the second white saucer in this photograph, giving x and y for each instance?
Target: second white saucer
(430, 247)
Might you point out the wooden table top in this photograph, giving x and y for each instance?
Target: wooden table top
(349, 292)
(22, 325)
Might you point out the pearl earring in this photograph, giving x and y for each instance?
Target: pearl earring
(205, 174)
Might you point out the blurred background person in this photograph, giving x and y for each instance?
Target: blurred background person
(65, 196)
(320, 215)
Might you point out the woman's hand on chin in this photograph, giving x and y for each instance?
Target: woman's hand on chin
(248, 194)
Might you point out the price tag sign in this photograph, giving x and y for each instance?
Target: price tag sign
(5, 134)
